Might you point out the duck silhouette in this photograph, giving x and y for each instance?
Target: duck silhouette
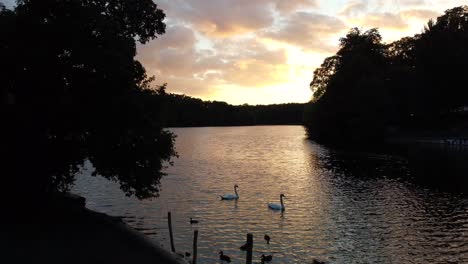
(267, 258)
(224, 257)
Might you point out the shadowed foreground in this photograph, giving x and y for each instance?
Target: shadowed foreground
(75, 235)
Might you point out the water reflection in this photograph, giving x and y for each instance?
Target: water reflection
(440, 167)
(342, 207)
(397, 219)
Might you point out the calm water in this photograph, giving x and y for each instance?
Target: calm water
(341, 207)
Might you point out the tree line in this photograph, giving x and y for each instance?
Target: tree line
(186, 111)
(369, 91)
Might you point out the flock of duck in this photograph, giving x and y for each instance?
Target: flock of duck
(273, 206)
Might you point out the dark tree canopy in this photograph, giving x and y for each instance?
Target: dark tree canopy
(345, 96)
(369, 89)
(72, 91)
(186, 111)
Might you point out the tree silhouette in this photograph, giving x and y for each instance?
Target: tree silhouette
(184, 111)
(414, 85)
(72, 91)
(347, 99)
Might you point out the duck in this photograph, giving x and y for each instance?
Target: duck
(231, 196)
(243, 247)
(224, 257)
(193, 221)
(281, 206)
(267, 258)
(267, 238)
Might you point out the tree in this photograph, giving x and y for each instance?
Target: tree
(442, 60)
(323, 75)
(348, 94)
(72, 91)
(416, 84)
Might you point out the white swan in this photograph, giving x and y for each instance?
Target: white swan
(231, 196)
(278, 206)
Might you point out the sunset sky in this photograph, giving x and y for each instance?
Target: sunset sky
(265, 51)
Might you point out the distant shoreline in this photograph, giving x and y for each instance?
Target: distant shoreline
(237, 125)
(451, 141)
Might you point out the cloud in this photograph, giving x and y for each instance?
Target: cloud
(225, 18)
(377, 14)
(308, 30)
(254, 65)
(384, 20)
(384, 14)
(354, 8)
(423, 14)
(170, 54)
(408, 2)
(8, 3)
(288, 6)
(222, 17)
(174, 58)
(396, 5)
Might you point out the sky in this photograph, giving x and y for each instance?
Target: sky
(265, 51)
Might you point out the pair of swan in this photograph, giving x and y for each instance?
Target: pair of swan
(272, 206)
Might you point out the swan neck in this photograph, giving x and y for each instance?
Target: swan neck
(281, 200)
(235, 191)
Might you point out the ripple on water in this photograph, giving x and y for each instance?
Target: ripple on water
(331, 214)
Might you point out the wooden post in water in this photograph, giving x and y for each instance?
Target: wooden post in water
(169, 221)
(249, 249)
(195, 238)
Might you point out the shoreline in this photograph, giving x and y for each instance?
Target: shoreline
(449, 141)
(158, 252)
(71, 233)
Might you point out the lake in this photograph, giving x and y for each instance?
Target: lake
(341, 207)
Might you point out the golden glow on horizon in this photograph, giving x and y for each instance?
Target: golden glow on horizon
(293, 80)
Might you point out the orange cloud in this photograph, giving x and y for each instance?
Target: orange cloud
(423, 14)
(287, 6)
(226, 18)
(175, 59)
(222, 17)
(384, 20)
(308, 31)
